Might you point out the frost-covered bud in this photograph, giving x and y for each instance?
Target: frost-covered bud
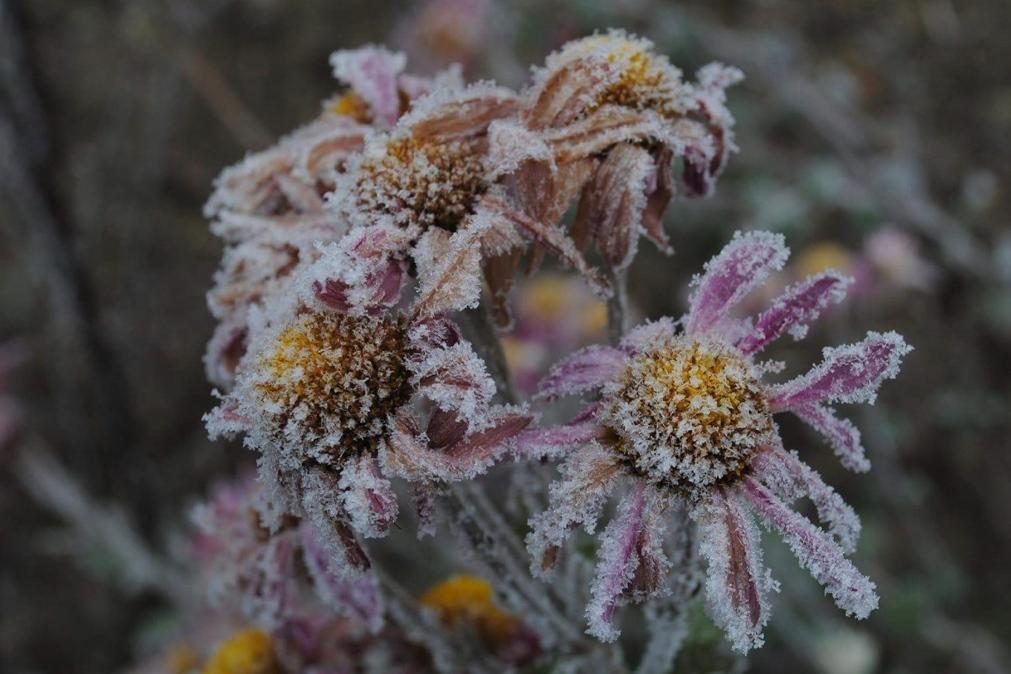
(687, 417)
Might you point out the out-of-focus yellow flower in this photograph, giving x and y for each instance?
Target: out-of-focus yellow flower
(821, 256)
(468, 599)
(181, 659)
(249, 651)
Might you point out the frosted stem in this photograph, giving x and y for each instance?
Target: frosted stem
(617, 311)
(480, 330)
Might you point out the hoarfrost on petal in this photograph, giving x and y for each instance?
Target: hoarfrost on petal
(853, 592)
(359, 597)
(740, 267)
(842, 435)
(372, 73)
(367, 497)
(586, 369)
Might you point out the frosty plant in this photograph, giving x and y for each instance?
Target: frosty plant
(363, 292)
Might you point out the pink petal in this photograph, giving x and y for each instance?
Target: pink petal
(372, 73)
(367, 497)
(799, 305)
(587, 477)
(789, 478)
(584, 370)
(267, 582)
(357, 597)
(444, 428)
(853, 592)
(740, 267)
(737, 583)
(617, 562)
(480, 449)
(455, 378)
(364, 272)
(842, 435)
(848, 374)
(554, 441)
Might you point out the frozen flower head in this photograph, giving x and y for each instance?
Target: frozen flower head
(430, 170)
(327, 395)
(687, 418)
(603, 123)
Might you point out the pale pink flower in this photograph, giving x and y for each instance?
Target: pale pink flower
(686, 416)
(327, 397)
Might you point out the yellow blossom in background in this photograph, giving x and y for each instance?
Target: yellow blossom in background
(821, 256)
(248, 651)
(469, 599)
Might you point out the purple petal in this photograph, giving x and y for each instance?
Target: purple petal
(372, 73)
(737, 583)
(584, 370)
(553, 441)
(358, 597)
(842, 435)
(367, 497)
(848, 374)
(853, 592)
(617, 562)
(267, 582)
(480, 448)
(786, 475)
(794, 309)
(743, 264)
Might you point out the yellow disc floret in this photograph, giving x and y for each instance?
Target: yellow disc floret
(334, 379)
(249, 651)
(688, 414)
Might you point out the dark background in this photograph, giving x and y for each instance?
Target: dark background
(856, 115)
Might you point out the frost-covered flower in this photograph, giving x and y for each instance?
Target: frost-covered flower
(269, 207)
(603, 122)
(687, 418)
(466, 602)
(327, 397)
(272, 578)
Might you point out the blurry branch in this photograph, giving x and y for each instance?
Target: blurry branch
(847, 133)
(26, 150)
(212, 86)
(95, 525)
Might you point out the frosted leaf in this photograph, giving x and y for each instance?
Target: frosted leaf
(799, 305)
(853, 592)
(456, 379)
(367, 497)
(449, 268)
(847, 374)
(372, 73)
(737, 583)
(359, 598)
(587, 478)
(585, 370)
(789, 478)
(842, 435)
(617, 561)
(740, 267)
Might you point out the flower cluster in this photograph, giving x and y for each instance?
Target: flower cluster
(355, 246)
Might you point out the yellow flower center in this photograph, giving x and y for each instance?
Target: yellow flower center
(688, 414)
(335, 378)
(249, 651)
(433, 183)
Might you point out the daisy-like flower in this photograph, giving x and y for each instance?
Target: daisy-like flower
(326, 396)
(687, 418)
(269, 207)
(602, 123)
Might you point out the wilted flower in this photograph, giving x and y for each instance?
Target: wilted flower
(326, 397)
(603, 121)
(270, 206)
(464, 602)
(688, 418)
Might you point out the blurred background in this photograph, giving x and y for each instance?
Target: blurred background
(873, 134)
